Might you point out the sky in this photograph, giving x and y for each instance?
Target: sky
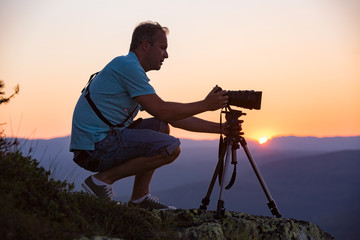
(304, 55)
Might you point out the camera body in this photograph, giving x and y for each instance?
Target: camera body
(249, 99)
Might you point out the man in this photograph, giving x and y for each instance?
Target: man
(122, 147)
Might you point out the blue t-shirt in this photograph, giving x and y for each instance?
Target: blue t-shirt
(112, 91)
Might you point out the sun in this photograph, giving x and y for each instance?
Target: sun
(263, 140)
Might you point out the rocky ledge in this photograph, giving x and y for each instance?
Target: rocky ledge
(197, 224)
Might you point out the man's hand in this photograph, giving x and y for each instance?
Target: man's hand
(216, 99)
(226, 129)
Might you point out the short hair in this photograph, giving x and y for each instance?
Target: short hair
(146, 31)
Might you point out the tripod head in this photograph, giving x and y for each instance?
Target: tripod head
(232, 114)
(234, 124)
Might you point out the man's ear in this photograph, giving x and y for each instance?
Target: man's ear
(144, 45)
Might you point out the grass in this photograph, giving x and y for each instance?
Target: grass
(35, 206)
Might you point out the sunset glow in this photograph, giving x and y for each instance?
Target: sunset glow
(303, 55)
(263, 140)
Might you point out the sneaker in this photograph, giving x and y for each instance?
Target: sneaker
(101, 191)
(151, 202)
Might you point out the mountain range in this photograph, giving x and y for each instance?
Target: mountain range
(311, 179)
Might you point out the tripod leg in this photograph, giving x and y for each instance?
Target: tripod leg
(271, 204)
(206, 200)
(220, 207)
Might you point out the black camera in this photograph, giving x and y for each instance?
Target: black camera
(249, 99)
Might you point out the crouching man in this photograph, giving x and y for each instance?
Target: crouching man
(106, 140)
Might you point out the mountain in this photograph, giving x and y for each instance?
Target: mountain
(313, 179)
(322, 189)
(326, 144)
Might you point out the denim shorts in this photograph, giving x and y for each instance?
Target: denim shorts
(146, 139)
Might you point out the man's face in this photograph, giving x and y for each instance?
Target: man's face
(157, 53)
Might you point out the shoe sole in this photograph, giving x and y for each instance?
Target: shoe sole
(149, 208)
(160, 209)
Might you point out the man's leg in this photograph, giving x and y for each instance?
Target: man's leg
(143, 169)
(142, 181)
(141, 185)
(147, 137)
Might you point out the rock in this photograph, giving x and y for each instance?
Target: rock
(99, 238)
(198, 224)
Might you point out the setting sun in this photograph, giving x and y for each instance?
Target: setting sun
(263, 140)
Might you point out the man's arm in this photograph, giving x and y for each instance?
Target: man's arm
(172, 111)
(195, 124)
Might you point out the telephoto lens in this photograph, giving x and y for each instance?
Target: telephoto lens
(248, 99)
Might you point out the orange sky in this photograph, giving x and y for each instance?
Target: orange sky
(304, 56)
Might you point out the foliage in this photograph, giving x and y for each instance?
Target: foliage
(35, 206)
(7, 99)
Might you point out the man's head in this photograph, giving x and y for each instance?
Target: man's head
(146, 31)
(149, 43)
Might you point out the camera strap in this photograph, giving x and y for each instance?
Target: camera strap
(97, 111)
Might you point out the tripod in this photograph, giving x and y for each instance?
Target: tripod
(228, 147)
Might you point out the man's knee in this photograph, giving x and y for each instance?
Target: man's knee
(170, 158)
(176, 152)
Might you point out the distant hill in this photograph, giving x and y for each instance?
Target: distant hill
(326, 144)
(323, 189)
(314, 179)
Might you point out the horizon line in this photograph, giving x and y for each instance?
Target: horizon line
(205, 139)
